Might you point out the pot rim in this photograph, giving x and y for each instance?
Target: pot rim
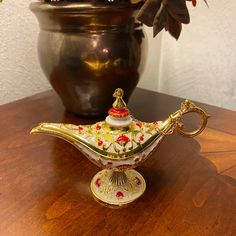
(79, 7)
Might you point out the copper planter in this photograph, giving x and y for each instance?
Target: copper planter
(87, 50)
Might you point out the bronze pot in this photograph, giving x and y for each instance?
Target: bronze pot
(86, 50)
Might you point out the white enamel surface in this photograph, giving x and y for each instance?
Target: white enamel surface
(118, 122)
(20, 72)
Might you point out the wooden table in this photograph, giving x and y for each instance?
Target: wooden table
(44, 182)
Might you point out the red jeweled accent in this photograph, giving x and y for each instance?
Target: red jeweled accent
(119, 112)
(98, 182)
(119, 195)
(100, 143)
(141, 138)
(98, 127)
(139, 125)
(155, 122)
(80, 128)
(123, 138)
(137, 180)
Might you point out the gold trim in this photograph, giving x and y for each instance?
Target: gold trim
(190, 107)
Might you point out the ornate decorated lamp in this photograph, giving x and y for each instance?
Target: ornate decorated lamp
(118, 145)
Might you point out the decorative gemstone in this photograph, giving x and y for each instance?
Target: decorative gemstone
(123, 138)
(137, 180)
(155, 122)
(119, 195)
(98, 127)
(100, 143)
(98, 182)
(141, 138)
(139, 125)
(80, 128)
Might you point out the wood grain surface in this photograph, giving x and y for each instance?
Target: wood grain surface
(44, 181)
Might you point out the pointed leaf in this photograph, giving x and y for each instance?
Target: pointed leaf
(160, 21)
(179, 11)
(174, 27)
(148, 11)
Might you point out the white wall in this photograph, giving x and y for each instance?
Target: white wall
(200, 66)
(20, 73)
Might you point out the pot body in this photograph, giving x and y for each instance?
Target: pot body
(87, 51)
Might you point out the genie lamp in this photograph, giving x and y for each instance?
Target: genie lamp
(118, 145)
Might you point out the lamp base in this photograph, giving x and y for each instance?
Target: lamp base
(117, 189)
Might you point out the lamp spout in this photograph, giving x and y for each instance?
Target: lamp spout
(57, 130)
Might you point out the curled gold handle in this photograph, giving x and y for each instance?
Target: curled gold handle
(189, 107)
